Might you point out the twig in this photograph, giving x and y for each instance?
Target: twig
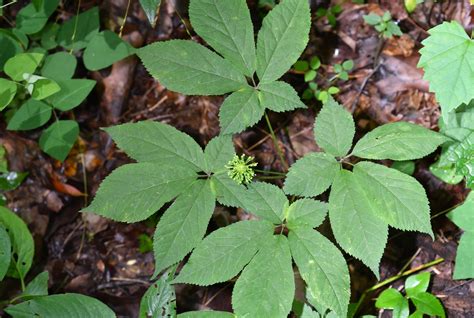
(275, 142)
(124, 19)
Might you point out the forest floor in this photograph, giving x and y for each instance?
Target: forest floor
(111, 261)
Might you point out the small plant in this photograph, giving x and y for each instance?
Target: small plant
(416, 287)
(330, 13)
(383, 24)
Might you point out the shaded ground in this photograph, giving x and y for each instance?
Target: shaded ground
(94, 256)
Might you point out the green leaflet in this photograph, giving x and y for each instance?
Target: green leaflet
(21, 242)
(357, 229)
(88, 25)
(323, 268)
(190, 68)
(59, 66)
(44, 88)
(20, 64)
(322, 168)
(183, 225)
(5, 252)
(206, 314)
(133, 192)
(266, 201)
(428, 304)
(60, 306)
(447, 59)
(279, 97)
(227, 27)
(306, 213)
(73, 92)
(223, 254)
(282, 39)
(156, 142)
(334, 129)
(32, 19)
(398, 141)
(59, 138)
(393, 299)
(266, 286)
(37, 287)
(7, 92)
(32, 114)
(229, 192)
(219, 151)
(416, 284)
(151, 7)
(160, 299)
(10, 48)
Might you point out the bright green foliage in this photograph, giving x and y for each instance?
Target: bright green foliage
(305, 213)
(10, 47)
(104, 49)
(464, 218)
(160, 299)
(448, 44)
(228, 192)
(59, 66)
(206, 314)
(60, 306)
(5, 252)
(190, 68)
(383, 24)
(393, 299)
(44, 88)
(37, 287)
(58, 139)
(151, 7)
(218, 152)
(32, 19)
(266, 201)
(7, 92)
(21, 242)
(73, 92)
(21, 64)
(30, 115)
(240, 169)
(416, 284)
(77, 32)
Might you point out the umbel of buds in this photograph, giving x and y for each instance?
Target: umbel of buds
(240, 169)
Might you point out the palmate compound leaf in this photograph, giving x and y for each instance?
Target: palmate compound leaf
(183, 225)
(322, 267)
(223, 254)
(266, 287)
(133, 192)
(189, 68)
(448, 61)
(227, 27)
(398, 141)
(282, 38)
(359, 231)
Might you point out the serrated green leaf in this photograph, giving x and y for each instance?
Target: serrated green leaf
(44, 88)
(160, 299)
(189, 68)
(21, 241)
(206, 314)
(133, 192)
(5, 252)
(227, 27)
(416, 284)
(73, 92)
(78, 31)
(279, 97)
(282, 39)
(322, 168)
(149, 141)
(32, 114)
(7, 92)
(151, 7)
(240, 110)
(395, 197)
(357, 230)
(267, 201)
(229, 192)
(266, 287)
(306, 213)
(393, 299)
(37, 287)
(31, 19)
(428, 304)
(105, 49)
(322, 267)
(219, 151)
(224, 253)
(183, 225)
(59, 138)
(10, 48)
(398, 141)
(447, 59)
(334, 129)
(59, 66)
(60, 306)
(20, 64)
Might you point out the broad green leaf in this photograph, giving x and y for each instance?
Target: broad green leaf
(416, 284)
(21, 241)
(20, 64)
(279, 97)
(77, 32)
(10, 48)
(149, 141)
(393, 299)
(151, 7)
(32, 114)
(183, 225)
(428, 304)
(311, 175)
(448, 61)
(189, 68)
(133, 192)
(224, 253)
(59, 138)
(31, 19)
(44, 88)
(73, 92)
(219, 151)
(464, 218)
(48, 36)
(37, 287)
(5, 252)
(227, 27)
(105, 49)
(398, 141)
(357, 230)
(7, 92)
(160, 299)
(266, 287)
(395, 197)
(306, 213)
(267, 201)
(60, 306)
(206, 314)
(334, 129)
(239, 111)
(229, 192)
(59, 66)
(322, 267)
(282, 39)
